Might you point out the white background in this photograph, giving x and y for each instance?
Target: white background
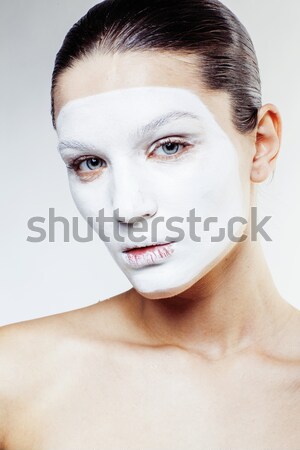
(45, 278)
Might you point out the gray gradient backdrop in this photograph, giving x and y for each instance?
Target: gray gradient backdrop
(46, 278)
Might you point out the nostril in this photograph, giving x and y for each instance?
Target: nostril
(138, 212)
(132, 219)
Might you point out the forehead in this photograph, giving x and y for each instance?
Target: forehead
(133, 106)
(109, 73)
(99, 73)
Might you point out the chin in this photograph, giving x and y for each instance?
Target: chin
(165, 290)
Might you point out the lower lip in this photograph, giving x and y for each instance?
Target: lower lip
(148, 256)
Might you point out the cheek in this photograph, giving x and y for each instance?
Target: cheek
(221, 183)
(89, 197)
(209, 182)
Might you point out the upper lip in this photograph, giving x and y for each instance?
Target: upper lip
(142, 245)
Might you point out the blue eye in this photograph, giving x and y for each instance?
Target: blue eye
(87, 168)
(90, 164)
(170, 148)
(166, 149)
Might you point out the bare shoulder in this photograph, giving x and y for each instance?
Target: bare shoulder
(27, 343)
(33, 353)
(23, 349)
(32, 344)
(26, 346)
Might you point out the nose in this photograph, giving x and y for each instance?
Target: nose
(132, 196)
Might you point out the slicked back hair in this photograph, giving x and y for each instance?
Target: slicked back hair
(207, 29)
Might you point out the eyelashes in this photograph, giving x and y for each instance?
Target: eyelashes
(168, 143)
(88, 167)
(90, 162)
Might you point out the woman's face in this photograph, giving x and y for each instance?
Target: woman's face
(142, 139)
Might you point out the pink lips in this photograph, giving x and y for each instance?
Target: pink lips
(145, 256)
(141, 250)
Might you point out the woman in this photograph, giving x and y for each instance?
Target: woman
(157, 107)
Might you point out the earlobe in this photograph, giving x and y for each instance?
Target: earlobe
(261, 170)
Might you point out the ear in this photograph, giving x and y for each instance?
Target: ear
(267, 145)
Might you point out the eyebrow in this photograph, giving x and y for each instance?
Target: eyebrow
(163, 120)
(76, 145)
(140, 132)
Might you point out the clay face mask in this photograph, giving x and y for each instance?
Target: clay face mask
(153, 152)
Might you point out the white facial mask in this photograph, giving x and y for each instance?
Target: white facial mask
(141, 181)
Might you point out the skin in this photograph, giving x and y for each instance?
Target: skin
(214, 366)
(201, 174)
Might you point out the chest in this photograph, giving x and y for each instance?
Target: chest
(142, 407)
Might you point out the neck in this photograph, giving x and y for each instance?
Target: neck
(228, 310)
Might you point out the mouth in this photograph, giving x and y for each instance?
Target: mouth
(148, 255)
(134, 249)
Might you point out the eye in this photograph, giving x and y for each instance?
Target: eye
(87, 167)
(90, 164)
(169, 147)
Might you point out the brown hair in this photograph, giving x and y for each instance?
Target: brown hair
(204, 28)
